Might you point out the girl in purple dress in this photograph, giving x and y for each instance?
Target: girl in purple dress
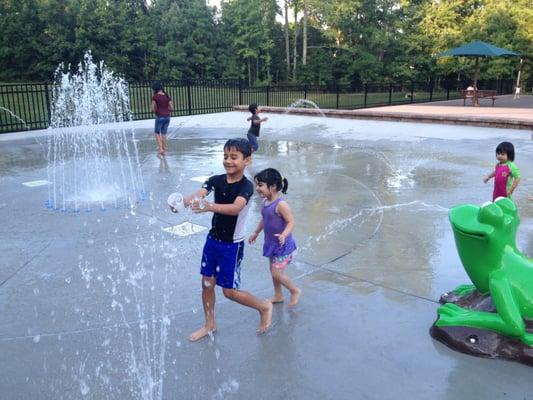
(278, 222)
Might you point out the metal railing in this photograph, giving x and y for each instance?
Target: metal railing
(27, 106)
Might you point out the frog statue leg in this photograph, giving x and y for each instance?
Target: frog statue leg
(507, 321)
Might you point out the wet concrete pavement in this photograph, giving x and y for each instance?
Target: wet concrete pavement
(99, 304)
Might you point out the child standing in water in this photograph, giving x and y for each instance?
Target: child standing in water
(506, 174)
(161, 107)
(255, 125)
(224, 246)
(277, 222)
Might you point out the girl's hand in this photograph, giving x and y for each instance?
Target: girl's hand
(252, 238)
(281, 238)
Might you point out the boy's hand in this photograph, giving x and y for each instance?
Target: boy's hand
(486, 179)
(252, 238)
(200, 206)
(281, 238)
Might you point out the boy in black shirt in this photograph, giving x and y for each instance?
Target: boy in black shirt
(223, 249)
(255, 125)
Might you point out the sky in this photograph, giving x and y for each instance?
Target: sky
(279, 18)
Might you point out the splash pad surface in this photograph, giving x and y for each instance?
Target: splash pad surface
(99, 304)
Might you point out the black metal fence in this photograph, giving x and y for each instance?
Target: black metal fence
(27, 106)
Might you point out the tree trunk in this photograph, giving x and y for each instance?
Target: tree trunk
(295, 52)
(287, 45)
(304, 49)
(249, 74)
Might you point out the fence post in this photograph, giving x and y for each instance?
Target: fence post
(189, 97)
(268, 95)
(48, 107)
(366, 94)
(431, 87)
(448, 93)
(240, 91)
(390, 93)
(305, 91)
(337, 87)
(412, 91)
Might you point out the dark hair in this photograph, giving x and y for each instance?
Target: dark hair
(242, 145)
(252, 108)
(506, 148)
(272, 177)
(157, 86)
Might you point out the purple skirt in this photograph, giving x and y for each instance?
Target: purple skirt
(274, 249)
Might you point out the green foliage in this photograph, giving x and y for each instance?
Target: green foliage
(351, 41)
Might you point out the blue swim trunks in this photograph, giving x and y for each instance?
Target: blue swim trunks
(223, 261)
(253, 141)
(161, 125)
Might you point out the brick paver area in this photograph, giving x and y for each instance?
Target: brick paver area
(506, 113)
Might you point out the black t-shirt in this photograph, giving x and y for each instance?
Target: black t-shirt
(229, 228)
(254, 128)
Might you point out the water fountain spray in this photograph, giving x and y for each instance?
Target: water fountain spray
(92, 155)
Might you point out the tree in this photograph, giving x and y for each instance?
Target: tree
(22, 32)
(286, 36)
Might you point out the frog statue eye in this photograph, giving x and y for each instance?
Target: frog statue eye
(490, 214)
(507, 205)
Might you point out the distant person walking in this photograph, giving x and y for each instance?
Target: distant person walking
(277, 222)
(255, 125)
(506, 174)
(162, 107)
(517, 93)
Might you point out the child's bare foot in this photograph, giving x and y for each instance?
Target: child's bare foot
(295, 298)
(201, 333)
(276, 299)
(266, 319)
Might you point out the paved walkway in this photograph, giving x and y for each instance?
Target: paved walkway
(507, 113)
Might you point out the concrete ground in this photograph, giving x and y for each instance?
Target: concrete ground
(98, 305)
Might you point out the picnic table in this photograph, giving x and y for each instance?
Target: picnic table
(475, 95)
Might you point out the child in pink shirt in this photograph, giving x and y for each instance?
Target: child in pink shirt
(506, 174)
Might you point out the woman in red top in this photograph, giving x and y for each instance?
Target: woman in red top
(161, 106)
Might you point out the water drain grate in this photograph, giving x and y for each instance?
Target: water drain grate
(36, 183)
(185, 229)
(200, 179)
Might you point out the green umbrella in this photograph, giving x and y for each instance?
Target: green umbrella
(477, 49)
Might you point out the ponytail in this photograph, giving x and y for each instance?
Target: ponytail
(284, 185)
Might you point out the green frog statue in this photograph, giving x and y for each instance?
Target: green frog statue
(501, 298)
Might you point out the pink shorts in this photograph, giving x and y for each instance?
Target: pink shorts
(281, 261)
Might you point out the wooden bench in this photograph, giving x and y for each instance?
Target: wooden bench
(481, 94)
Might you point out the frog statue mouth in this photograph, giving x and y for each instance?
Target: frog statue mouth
(465, 222)
(492, 218)
(482, 232)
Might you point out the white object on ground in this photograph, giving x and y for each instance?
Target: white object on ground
(185, 229)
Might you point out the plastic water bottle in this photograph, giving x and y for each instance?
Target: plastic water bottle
(175, 200)
(201, 203)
